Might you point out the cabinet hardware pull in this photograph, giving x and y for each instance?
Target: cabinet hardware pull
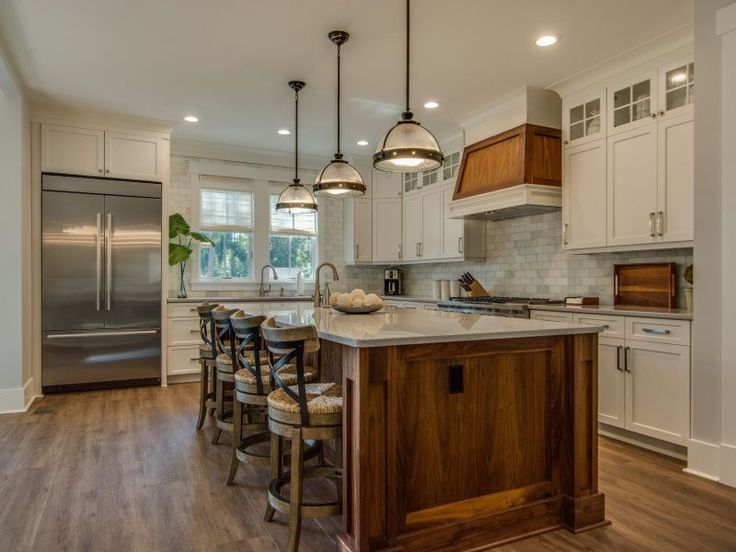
(417, 249)
(460, 245)
(657, 331)
(564, 234)
(193, 358)
(193, 310)
(565, 142)
(626, 359)
(99, 170)
(98, 260)
(357, 251)
(194, 331)
(651, 224)
(660, 223)
(660, 113)
(108, 260)
(398, 250)
(605, 326)
(421, 249)
(107, 171)
(653, 115)
(618, 357)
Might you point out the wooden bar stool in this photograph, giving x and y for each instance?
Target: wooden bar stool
(206, 361)
(253, 383)
(300, 412)
(225, 370)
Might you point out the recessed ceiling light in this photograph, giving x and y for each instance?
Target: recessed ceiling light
(284, 131)
(362, 142)
(191, 119)
(546, 40)
(431, 105)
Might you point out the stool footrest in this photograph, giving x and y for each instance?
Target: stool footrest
(308, 509)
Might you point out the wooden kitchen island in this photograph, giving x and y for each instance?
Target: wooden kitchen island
(461, 431)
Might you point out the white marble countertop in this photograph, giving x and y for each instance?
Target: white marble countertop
(242, 299)
(410, 327)
(648, 312)
(410, 299)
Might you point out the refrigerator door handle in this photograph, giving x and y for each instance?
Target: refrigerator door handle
(100, 334)
(108, 262)
(98, 251)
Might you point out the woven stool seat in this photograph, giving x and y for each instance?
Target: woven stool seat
(287, 375)
(250, 356)
(205, 350)
(322, 398)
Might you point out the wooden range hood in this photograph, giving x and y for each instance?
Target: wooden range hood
(514, 173)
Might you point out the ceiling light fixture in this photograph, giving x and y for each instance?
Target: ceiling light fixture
(339, 177)
(284, 131)
(191, 119)
(362, 142)
(295, 198)
(546, 40)
(431, 105)
(407, 146)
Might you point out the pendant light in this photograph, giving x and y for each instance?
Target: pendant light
(339, 178)
(408, 146)
(295, 198)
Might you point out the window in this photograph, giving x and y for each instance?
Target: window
(226, 217)
(292, 242)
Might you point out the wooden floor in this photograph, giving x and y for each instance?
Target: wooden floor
(124, 470)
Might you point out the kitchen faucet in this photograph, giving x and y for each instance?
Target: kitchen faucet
(317, 296)
(262, 292)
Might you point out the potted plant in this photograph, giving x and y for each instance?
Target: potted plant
(181, 250)
(689, 290)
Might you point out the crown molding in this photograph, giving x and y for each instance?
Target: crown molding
(63, 114)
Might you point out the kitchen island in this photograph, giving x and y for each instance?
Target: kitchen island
(460, 431)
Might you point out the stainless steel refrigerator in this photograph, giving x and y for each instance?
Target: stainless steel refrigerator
(101, 274)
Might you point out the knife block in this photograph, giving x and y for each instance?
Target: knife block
(477, 290)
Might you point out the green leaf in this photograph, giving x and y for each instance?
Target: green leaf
(202, 238)
(177, 226)
(178, 254)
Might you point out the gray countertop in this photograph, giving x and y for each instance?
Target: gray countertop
(649, 312)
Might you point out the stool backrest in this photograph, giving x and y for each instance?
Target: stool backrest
(246, 330)
(292, 343)
(224, 339)
(207, 324)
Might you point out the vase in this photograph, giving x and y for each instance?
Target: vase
(689, 298)
(182, 282)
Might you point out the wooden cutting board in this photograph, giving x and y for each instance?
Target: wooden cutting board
(645, 285)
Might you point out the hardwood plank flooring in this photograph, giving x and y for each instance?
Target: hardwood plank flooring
(124, 470)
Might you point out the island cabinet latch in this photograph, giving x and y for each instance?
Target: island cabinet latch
(456, 379)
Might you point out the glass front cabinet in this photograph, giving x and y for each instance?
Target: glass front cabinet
(583, 117)
(632, 102)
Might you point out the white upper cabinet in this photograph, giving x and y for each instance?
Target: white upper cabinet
(412, 221)
(584, 116)
(677, 87)
(453, 234)
(430, 246)
(386, 185)
(632, 102)
(632, 186)
(584, 195)
(133, 156)
(71, 150)
(451, 166)
(675, 217)
(358, 235)
(387, 229)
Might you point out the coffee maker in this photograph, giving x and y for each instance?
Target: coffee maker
(392, 281)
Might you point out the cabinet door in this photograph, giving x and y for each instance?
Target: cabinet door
(386, 185)
(676, 177)
(583, 117)
(363, 230)
(632, 102)
(133, 156)
(658, 390)
(551, 316)
(611, 382)
(677, 87)
(584, 196)
(387, 230)
(453, 234)
(432, 219)
(71, 150)
(632, 186)
(412, 221)
(182, 360)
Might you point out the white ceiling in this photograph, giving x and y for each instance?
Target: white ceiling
(228, 61)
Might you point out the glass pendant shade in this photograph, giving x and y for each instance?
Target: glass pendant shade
(340, 179)
(296, 198)
(408, 147)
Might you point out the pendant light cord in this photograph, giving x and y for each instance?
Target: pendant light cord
(338, 101)
(407, 55)
(296, 138)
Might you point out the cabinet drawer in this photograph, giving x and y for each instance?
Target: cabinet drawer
(181, 310)
(430, 306)
(551, 316)
(676, 332)
(182, 360)
(613, 326)
(183, 331)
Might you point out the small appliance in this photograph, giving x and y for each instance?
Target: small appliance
(392, 281)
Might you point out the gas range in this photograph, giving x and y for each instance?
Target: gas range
(511, 307)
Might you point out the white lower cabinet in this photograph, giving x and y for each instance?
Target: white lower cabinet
(551, 316)
(611, 382)
(182, 360)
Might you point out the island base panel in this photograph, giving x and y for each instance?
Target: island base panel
(467, 445)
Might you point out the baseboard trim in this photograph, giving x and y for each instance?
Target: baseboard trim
(183, 378)
(701, 474)
(643, 441)
(17, 399)
(703, 459)
(727, 471)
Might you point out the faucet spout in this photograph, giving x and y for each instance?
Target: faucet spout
(261, 289)
(318, 299)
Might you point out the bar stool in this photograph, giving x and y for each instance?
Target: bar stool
(252, 386)
(299, 412)
(206, 361)
(225, 370)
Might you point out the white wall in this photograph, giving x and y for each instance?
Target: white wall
(15, 335)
